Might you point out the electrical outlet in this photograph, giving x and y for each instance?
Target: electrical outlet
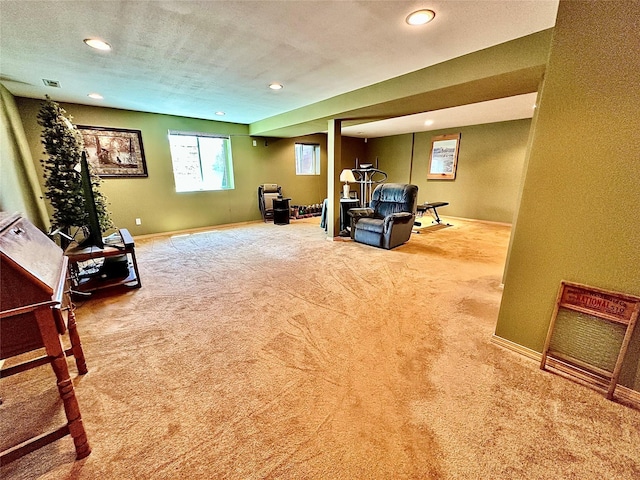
(138, 221)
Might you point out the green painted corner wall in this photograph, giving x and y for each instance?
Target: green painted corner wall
(154, 200)
(578, 217)
(19, 187)
(392, 155)
(490, 163)
(352, 149)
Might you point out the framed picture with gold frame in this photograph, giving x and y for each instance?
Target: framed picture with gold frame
(443, 158)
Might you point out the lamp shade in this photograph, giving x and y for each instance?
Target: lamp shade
(347, 176)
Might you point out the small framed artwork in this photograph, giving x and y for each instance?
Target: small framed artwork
(114, 152)
(443, 159)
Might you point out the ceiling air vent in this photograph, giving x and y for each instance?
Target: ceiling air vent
(51, 83)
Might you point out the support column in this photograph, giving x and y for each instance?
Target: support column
(334, 166)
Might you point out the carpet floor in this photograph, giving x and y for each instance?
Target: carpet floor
(267, 352)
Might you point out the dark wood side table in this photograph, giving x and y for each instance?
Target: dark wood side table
(345, 219)
(281, 211)
(120, 245)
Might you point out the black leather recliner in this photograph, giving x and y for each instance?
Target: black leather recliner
(388, 220)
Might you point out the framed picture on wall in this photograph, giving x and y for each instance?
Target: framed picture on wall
(443, 159)
(114, 152)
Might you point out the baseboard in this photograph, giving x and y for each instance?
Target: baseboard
(622, 392)
(190, 231)
(514, 347)
(476, 220)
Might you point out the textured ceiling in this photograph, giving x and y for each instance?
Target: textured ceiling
(193, 58)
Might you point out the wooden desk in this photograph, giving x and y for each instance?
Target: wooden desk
(121, 244)
(36, 312)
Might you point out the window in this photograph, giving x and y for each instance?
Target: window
(307, 159)
(201, 161)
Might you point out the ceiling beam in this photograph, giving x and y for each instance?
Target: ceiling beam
(511, 68)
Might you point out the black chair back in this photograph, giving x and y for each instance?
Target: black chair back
(390, 198)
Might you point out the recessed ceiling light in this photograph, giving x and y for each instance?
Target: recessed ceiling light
(220, 114)
(97, 44)
(96, 96)
(276, 86)
(428, 123)
(420, 17)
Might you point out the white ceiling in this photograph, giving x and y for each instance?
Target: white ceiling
(193, 58)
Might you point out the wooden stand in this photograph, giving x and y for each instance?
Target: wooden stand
(36, 312)
(86, 283)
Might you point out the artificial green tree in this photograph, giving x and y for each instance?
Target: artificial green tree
(63, 185)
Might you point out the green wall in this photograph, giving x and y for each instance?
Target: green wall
(19, 187)
(490, 164)
(392, 155)
(352, 148)
(578, 217)
(154, 200)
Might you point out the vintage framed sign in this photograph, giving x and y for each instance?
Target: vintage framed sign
(443, 158)
(589, 333)
(114, 152)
